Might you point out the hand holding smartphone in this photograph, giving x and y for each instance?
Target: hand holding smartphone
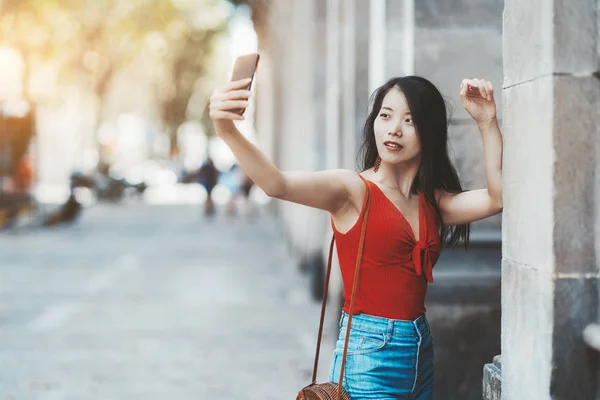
(244, 67)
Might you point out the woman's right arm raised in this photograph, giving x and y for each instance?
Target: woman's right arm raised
(328, 190)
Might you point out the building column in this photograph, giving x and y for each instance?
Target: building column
(332, 91)
(354, 68)
(400, 33)
(551, 107)
(377, 44)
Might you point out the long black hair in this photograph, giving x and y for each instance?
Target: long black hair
(436, 171)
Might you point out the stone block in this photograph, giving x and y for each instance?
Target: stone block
(575, 365)
(576, 130)
(459, 13)
(527, 132)
(562, 38)
(527, 44)
(527, 321)
(575, 36)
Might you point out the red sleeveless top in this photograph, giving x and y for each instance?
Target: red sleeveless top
(396, 266)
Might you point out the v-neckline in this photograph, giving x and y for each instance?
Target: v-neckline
(410, 228)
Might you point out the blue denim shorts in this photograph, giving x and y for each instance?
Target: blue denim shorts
(387, 358)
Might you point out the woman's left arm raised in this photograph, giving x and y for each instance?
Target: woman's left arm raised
(477, 96)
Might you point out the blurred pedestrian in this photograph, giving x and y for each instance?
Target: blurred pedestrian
(411, 193)
(239, 185)
(231, 180)
(208, 176)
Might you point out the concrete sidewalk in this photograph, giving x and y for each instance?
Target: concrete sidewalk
(155, 302)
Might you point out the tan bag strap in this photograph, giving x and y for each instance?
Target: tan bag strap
(324, 304)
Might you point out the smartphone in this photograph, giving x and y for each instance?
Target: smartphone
(244, 67)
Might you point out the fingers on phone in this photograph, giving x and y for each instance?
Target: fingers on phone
(234, 104)
(217, 114)
(237, 95)
(230, 105)
(239, 84)
(231, 109)
(232, 95)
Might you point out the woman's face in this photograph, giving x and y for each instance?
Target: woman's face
(394, 126)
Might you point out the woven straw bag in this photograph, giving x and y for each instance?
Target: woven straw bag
(330, 390)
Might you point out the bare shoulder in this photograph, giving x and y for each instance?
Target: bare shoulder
(354, 185)
(347, 178)
(346, 216)
(333, 190)
(351, 180)
(356, 188)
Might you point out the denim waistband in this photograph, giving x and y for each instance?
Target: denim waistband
(388, 326)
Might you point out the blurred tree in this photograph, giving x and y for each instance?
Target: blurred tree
(188, 66)
(96, 39)
(25, 26)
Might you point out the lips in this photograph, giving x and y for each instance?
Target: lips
(392, 145)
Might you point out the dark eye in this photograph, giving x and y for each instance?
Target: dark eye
(409, 120)
(384, 115)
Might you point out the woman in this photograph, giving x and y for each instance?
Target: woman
(417, 205)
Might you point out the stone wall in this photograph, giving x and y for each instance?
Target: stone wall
(550, 265)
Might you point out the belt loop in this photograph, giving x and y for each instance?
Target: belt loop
(416, 326)
(421, 324)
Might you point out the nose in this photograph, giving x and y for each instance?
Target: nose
(395, 130)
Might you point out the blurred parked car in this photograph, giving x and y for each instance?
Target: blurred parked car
(106, 187)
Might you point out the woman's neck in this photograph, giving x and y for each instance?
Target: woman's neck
(399, 177)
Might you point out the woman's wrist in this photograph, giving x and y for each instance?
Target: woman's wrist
(487, 123)
(225, 128)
